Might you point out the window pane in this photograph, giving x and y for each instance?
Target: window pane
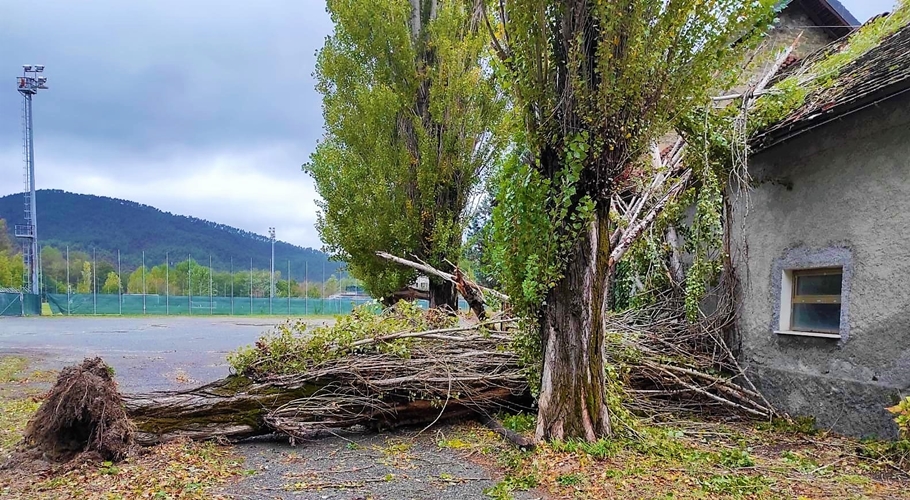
(818, 284)
(816, 317)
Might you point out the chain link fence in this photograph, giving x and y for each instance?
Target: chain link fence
(14, 303)
(183, 305)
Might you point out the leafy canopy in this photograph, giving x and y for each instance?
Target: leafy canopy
(598, 81)
(411, 117)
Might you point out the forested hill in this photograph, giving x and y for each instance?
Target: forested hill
(107, 224)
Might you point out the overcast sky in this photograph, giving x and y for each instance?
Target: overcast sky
(197, 107)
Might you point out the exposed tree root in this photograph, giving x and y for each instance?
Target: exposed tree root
(82, 413)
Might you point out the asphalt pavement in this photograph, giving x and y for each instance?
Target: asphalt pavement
(147, 353)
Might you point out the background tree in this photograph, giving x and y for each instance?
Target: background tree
(134, 282)
(598, 83)
(12, 268)
(411, 117)
(111, 284)
(85, 282)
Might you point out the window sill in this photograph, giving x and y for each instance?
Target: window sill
(809, 334)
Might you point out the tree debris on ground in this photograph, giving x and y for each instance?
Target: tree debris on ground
(83, 412)
(380, 370)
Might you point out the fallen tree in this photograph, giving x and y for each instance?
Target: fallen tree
(399, 367)
(403, 366)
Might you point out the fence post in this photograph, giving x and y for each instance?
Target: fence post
(289, 287)
(211, 294)
(189, 284)
(143, 282)
(94, 279)
(232, 286)
(119, 283)
(68, 312)
(167, 284)
(251, 286)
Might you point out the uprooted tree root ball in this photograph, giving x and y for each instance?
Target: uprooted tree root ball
(83, 412)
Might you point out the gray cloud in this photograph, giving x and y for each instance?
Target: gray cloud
(201, 107)
(204, 108)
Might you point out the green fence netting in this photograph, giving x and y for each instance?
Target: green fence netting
(19, 304)
(88, 304)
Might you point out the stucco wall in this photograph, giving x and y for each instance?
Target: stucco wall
(838, 195)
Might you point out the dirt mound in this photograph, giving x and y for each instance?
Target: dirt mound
(83, 412)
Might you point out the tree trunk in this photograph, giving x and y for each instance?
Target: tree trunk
(235, 408)
(231, 408)
(677, 274)
(442, 293)
(572, 399)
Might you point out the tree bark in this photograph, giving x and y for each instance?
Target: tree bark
(572, 399)
(235, 408)
(676, 269)
(442, 294)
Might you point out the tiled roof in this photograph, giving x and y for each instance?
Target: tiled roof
(880, 73)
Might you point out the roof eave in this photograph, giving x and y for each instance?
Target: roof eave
(776, 137)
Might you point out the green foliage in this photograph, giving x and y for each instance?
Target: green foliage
(519, 422)
(85, 283)
(411, 118)
(569, 479)
(12, 270)
(735, 485)
(503, 489)
(704, 241)
(593, 99)
(901, 412)
(111, 284)
(797, 425)
(290, 348)
(791, 92)
(735, 459)
(535, 224)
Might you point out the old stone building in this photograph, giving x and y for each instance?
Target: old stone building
(823, 249)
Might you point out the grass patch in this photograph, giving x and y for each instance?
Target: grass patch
(14, 414)
(180, 469)
(735, 485)
(12, 368)
(691, 460)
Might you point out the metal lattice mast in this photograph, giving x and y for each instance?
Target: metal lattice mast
(28, 85)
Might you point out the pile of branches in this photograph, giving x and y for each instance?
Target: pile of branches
(672, 365)
(447, 373)
(300, 384)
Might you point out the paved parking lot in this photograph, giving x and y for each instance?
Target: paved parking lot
(148, 353)
(160, 353)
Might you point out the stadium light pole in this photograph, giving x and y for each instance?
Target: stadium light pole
(28, 85)
(272, 272)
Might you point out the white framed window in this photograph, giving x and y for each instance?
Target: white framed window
(810, 302)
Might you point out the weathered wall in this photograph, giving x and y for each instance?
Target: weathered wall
(840, 195)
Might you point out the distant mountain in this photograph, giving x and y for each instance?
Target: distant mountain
(86, 222)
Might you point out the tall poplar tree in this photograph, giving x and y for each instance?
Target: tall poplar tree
(598, 81)
(411, 114)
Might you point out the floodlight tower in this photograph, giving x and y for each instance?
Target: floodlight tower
(28, 85)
